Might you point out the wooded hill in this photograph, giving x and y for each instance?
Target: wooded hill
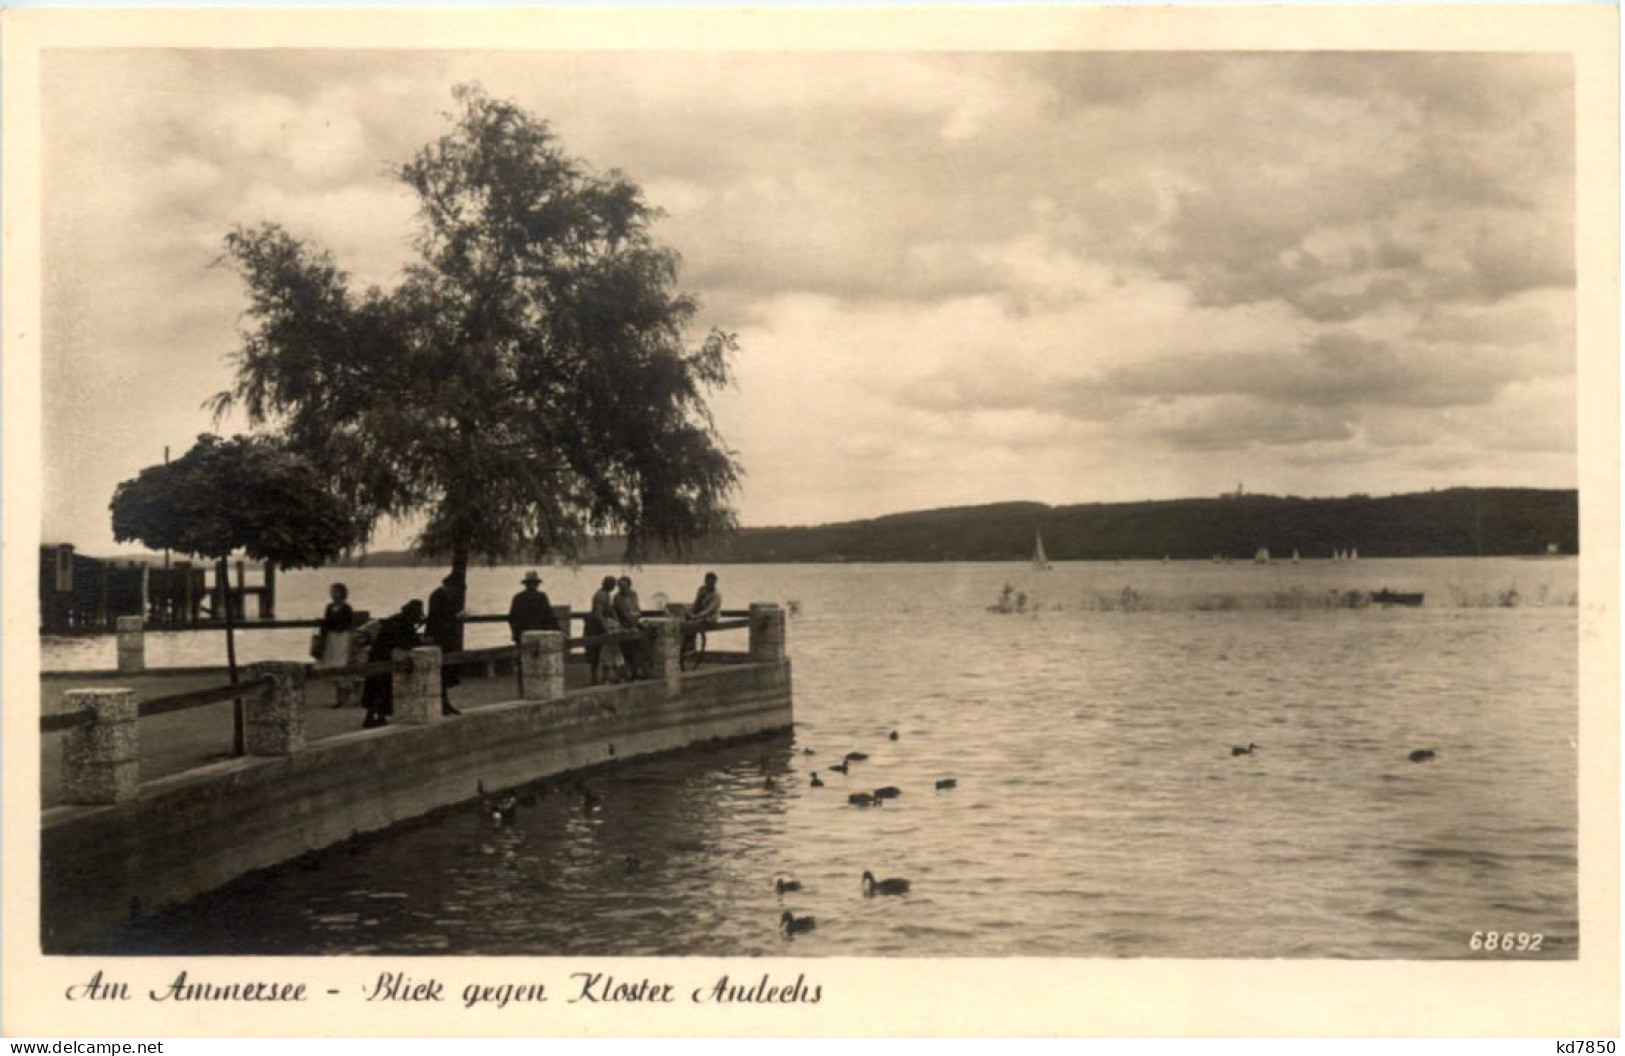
(1454, 522)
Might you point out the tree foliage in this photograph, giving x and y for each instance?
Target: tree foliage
(527, 385)
(245, 493)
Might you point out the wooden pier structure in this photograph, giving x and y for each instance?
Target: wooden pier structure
(87, 595)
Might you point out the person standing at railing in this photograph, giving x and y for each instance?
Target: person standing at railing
(445, 629)
(604, 658)
(629, 614)
(334, 636)
(530, 610)
(398, 633)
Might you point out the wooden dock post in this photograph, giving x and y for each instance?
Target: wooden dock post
(188, 597)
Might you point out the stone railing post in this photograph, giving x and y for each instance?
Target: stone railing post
(665, 660)
(766, 632)
(541, 665)
(101, 763)
(417, 689)
(276, 716)
(132, 645)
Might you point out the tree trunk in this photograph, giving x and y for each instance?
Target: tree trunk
(237, 717)
(459, 561)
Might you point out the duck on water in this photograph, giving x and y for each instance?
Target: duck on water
(791, 924)
(893, 885)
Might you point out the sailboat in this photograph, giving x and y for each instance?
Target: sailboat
(1262, 557)
(1354, 553)
(1294, 555)
(1040, 562)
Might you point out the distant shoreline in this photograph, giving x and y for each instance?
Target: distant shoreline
(1458, 522)
(430, 563)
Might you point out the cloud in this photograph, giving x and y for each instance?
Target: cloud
(956, 277)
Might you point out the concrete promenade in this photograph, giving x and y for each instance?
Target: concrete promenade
(184, 740)
(149, 812)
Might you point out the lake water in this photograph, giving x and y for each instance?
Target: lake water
(1098, 811)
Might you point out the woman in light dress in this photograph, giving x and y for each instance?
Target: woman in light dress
(335, 639)
(608, 665)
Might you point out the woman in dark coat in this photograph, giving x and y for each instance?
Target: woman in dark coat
(445, 629)
(397, 633)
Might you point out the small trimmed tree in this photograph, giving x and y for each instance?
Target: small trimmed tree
(248, 494)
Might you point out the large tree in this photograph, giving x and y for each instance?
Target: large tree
(527, 385)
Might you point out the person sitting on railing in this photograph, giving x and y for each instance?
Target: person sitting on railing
(706, 610)
(707, 601)
(395, 634)
(604, 658)
(445, 628)
(629, 614)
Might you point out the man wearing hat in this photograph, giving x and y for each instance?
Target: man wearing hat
(530, 611)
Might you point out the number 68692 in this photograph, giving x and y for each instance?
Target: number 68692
(1506, 941)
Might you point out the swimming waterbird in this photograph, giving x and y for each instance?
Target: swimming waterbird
(783, 885)
(1422, 755)
(894, 735)
(889, 792)
(862, 799)
(1238, 750)
(791, 924)
(817, 782)
(501, 810)
(590, 800)
(856, 757)
(890, 886)
(840, 768)
(946, 782)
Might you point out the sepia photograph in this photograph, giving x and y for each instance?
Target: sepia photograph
(780, 505)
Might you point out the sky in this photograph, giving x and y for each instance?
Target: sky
(955, 278)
